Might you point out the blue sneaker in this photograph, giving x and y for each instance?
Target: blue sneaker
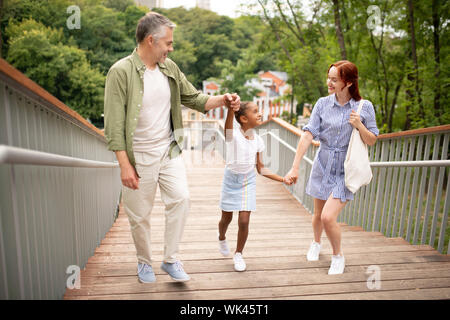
(175, 271)
(145, 273)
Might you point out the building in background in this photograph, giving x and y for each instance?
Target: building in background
(212, 88)
(272, 99)
(150, 3)
(204, 4)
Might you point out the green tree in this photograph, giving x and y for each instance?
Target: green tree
(62, 70)
(103, 36)
(210, 35)
(131, 17)
(118, 5)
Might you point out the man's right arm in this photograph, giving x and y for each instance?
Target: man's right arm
(128, 174)
(114, 110)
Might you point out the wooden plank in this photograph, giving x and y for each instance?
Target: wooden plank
(280, 292)
(212, 245)
(425, 260)
(127, 239)
(112, 257)
(415, 294)
(249, 279)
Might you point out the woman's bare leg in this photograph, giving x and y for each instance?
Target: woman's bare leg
(330, 213)
(317, 220)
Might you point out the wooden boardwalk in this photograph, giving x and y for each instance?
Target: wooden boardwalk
(280, 234)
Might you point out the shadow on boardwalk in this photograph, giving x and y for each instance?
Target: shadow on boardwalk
(280, 234)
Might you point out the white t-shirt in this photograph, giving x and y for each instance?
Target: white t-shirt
(153, 129)
(241, 152)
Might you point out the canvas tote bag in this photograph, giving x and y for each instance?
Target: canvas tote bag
(357, 165)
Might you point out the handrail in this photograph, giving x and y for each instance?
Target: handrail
(413, 132)
(23, 81)
(297, 131)
(14, 155)
(287, 145)
(417, 163)
(428, 163)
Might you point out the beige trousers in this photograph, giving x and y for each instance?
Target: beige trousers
(157, 168)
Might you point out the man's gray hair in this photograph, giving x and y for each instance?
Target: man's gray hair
(152, 24)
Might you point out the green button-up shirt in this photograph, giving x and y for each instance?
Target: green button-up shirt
(124, 90)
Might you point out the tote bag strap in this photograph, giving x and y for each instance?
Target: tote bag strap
(361, 102)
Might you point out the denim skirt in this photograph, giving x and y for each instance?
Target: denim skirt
(238, 191)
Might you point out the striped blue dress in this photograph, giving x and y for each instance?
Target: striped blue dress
(329, 124)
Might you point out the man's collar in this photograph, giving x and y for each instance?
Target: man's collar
(162, 65)
(137, 61)
(141, 65)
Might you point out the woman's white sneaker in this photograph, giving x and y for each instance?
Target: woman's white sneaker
(239, 263)
(223, 247)
(337, 265)
(313, 252)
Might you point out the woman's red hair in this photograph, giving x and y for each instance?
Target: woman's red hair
(348, 72)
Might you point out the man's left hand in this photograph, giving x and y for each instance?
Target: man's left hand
(232, 100)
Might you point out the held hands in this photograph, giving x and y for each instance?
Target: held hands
(232, 100)
(355, 120)
(291, 177)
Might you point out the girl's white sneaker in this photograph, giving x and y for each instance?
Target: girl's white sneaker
(337, 265)
(239, 263)
(223, 247)
(313, 252)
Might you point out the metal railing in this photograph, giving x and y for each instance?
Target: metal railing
(409, 195)
(60, 190)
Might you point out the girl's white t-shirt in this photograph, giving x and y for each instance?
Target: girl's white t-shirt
(153, 130)
(241, 152)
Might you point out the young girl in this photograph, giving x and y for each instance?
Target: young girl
(244, 148)
(332, 121)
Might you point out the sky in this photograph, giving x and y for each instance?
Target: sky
(229, 8)
(222, 7)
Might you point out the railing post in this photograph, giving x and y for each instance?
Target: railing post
(439, 192)
(380, 188)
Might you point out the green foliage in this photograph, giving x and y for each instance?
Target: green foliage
(207, 36)
(405, 96)
(286, 116)
(62, 70)
(118, 5)
(103, 36)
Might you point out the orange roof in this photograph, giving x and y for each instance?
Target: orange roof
(268, 74)
(211, 86)
(277, 81)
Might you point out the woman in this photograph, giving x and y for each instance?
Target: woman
(332, 121)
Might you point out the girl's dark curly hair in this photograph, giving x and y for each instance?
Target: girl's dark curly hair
(242, 110)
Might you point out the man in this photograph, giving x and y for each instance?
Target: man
(143, 125)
